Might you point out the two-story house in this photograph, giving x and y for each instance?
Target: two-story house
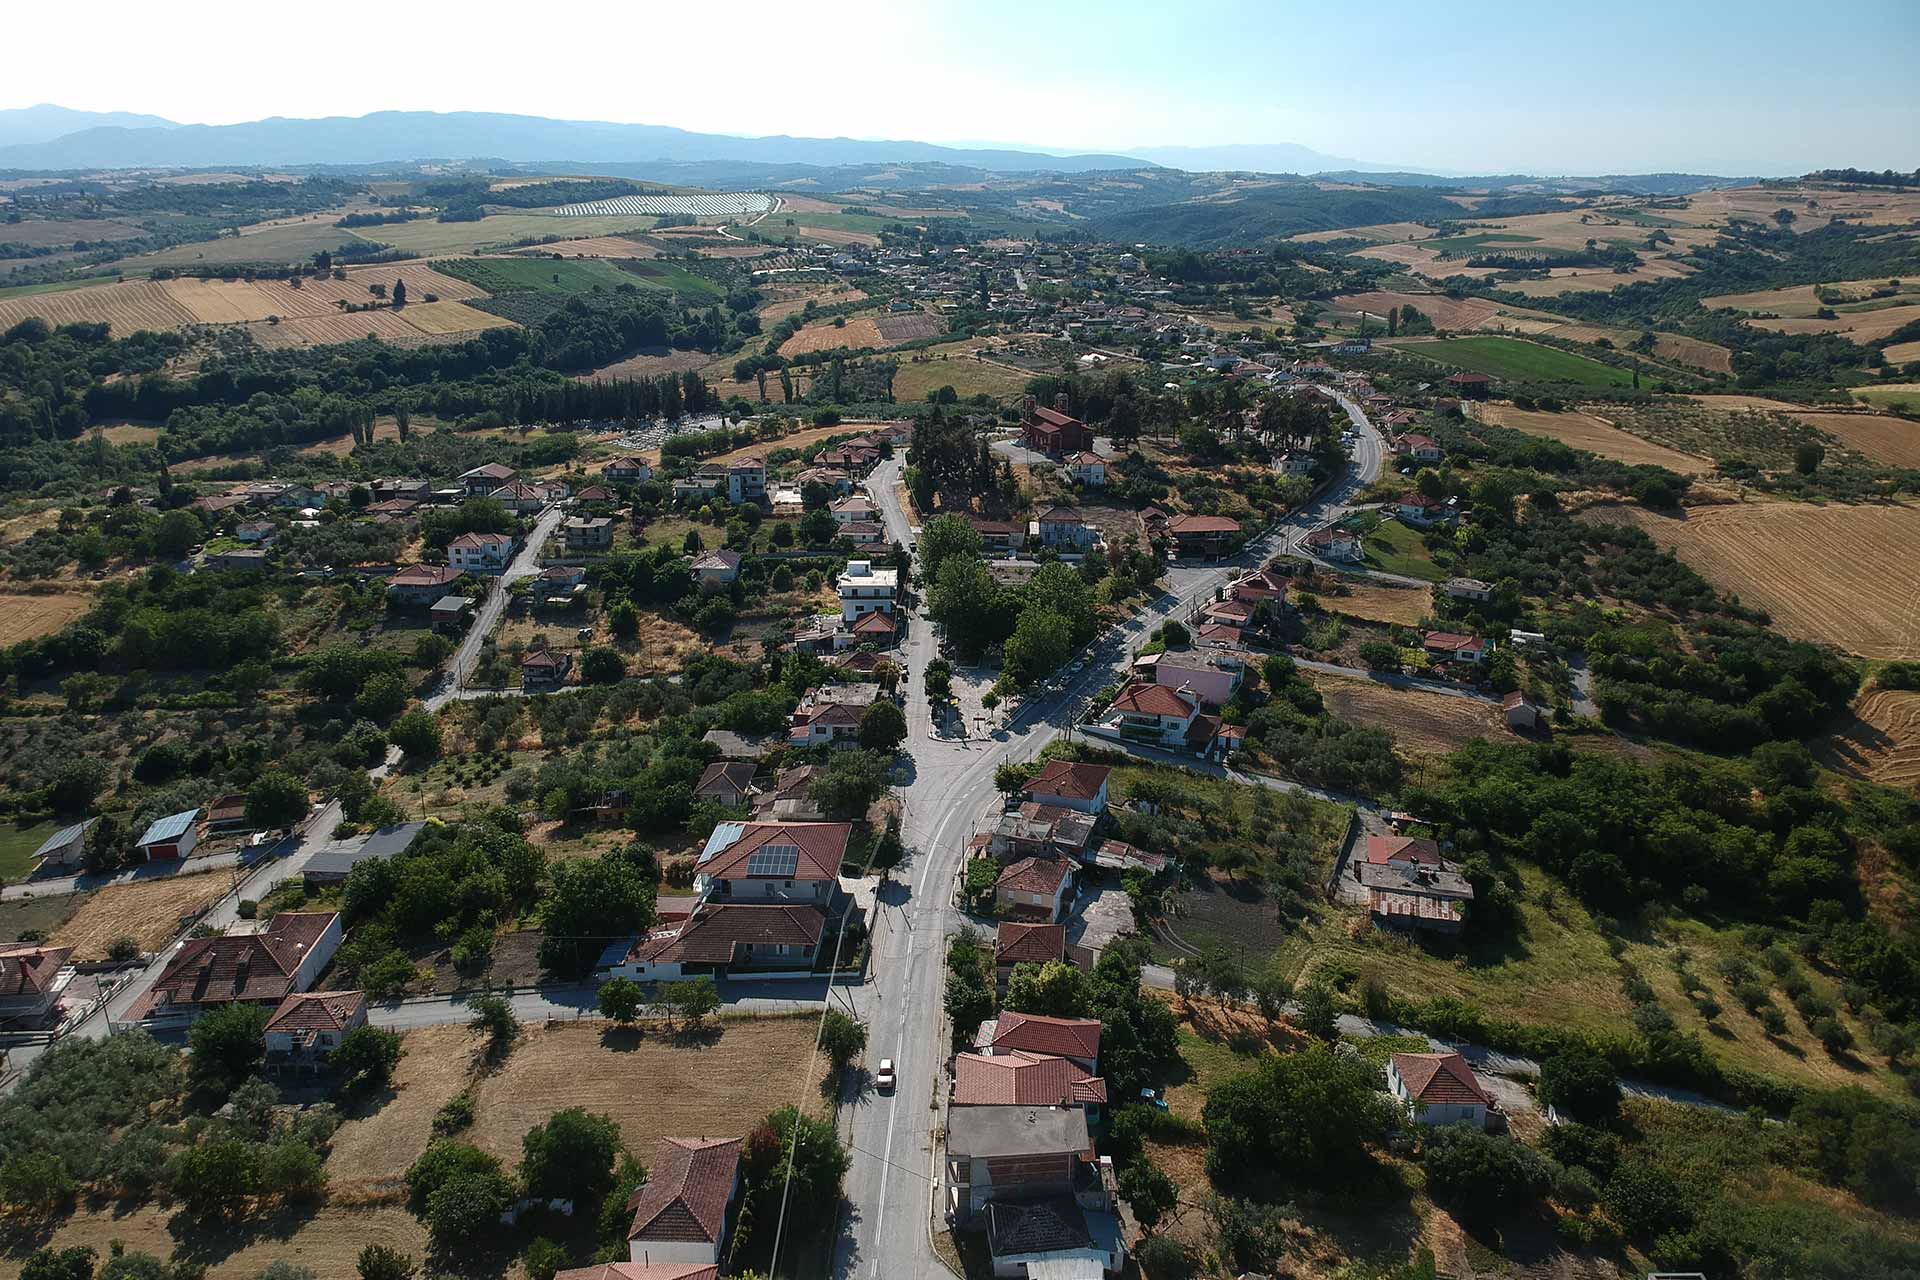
(1012, 1153)
(262, 967)
(487, 477)
(1068, 784)
(1214, 674)
(1420, 511)
(421, 584)
(1203, 537)
(1154, 713)
(628, 470)
(480, 552)
(1064, 528)
(865, 589)
(747, 480)
(1420, 448)
(1088, 469)
(998, 537)
(1335, 544)
(589, 533)
(309, 1025)
(853, 510)
(716, 569)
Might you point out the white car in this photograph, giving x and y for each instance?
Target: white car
(883, 1078)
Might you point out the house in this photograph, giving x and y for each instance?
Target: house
(1213, 674)
(560, 579)
(747, 481)
(390, 510)
(1470, 385)
(862, 533)
(1522, 713)
(1296, 464)
(33, 976)
(403, 487)
(1218, 635)
(1203, 536)
(1053, 431)
(1034, 888)
(1070, 785)
(1041, 831)
(1089, 469)
(1001, 536)
(723, 938)
(792, 791)
(1418, 510)
(1420, 448)
(641, 1271)
(451, 613)
(1260, 589)
(1410, 885)
(1335, 544)
(1439, 1088)
(334, 862)
(716, 569)
(256, 531)
(703, 483)
(545, 669)
(66, 847)
(858, 459)
(480, 552)
(1077, 1237)
(876, 629)
(421, 584)
(1021, 1079)
(825, 724)
(227, 812)
(263, 967)
(520, 498)
(835, 481)
(1016, 943)
(1408, 850)
(1012, 1152)
(628, 470)
(172, 837)
(852, 510)
(771, 862)
(1074, 1038)
(484, 479)
(727, 782)
(1358, 346)
(1065, 528)
(597, 494)
(686, 1209)
(1450, 646)
(311, 1024)
(246, 561)
(1155, 713)
(865, 589)
(589, 533)
(1468, 589)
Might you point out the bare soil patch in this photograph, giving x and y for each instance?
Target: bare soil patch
(148, 911)
(1421, 723)
(855, 333)
(1380, 602)
(1882, 437)
(1840, 575)
(651, 363)
(594, 247)
(1583, 430)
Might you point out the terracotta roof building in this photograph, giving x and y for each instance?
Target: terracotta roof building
(243, 968)
(684, 1212)
(1029, 944)
(1075, 1038)
(1024, 1079)
(1441, 1087)
(1070, 785)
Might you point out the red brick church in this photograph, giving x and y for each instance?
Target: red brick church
(1053, 431)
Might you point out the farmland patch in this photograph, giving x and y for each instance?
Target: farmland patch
(1586, 430)
(1421, 723)
(27, 616)
(148, 911)
(1881, 739)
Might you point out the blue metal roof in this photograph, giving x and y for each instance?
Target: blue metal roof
(171, 827)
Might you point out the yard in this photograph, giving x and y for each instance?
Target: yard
(151, 912)
(1393, 547)
(17, 843)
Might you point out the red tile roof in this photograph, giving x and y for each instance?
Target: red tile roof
(1202, 524)
(1069, 779)
(1034, 1033)
(877, 623)
(713, 934)
(1439, 1078)
(730, 776)
(1030, 943)
(28, 968)
(1055, 418)
(821, 844)
(480, 541)
(1023, 1079)
(1034, 875)
(642, 1271)
(687, 1191)
(247, 966)
(1061, 515)
(425, 575)
(1152, 700)
(1382, 849)
(1421, 502)
(1451, 641)
(317, 1011)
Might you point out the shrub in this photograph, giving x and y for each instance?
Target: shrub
(570, 1157)
(379, 1262)
(439, 1164)
(466, 1209)
(366, 1056)
(1645, 1200)
(1581, 1085)
(226, 1044)
(1149, 1190)
(543, 1258)
(455, 1114)
(1164, 1258)
(1482, 1174)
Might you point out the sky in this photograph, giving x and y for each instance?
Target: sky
(1751, 88)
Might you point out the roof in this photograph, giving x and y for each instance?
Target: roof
(1034, 875)
(722, 559)
(341, 857)
(1069, 779)
(1152, 700)
(64, 837)
(1386, 848)
(1468, 379)
(1016, 1131)
(1055, 418)
(490, 471)
(171, 827)
(997, 528)
(1443, 1078)
(1451, 640)
(627, 464)
(1468, 584)
(245, 966)
(1327, 537)
(796, 781)
(875, 623)
(1414, 906)
(1030, 943)
(1066, 1037)
(712, 934)
(546, 659)
(816, 850)
(1518, 699)
(736, 775)
(1023, 1079)
(642, 1271)
(1419, 501)
(687, 1191)
(424, 575)
(479, 541)
(1202, 524)
(29, 968)
(1036, 1226)
(317, 1011)
(1061, 515)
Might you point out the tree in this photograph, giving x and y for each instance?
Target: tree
(848, 784)
(570, 1157)
(543, 1259)
(276, 799)
(603, 666)
(366, 1056)
(692, 999)
(494, 1018)
(380, 1262)
(1480, 1174)
(214, 1179)
(1380, 655)
(592, 901)
(883, 727)
(624, 620)
(75, 1262)
(1042, 641)
(225, 1044)
(1581, 1085)
(1645, 1200)
(1054, 989)
(945, 537)
(467, 1208)
(177, 533)
(1808, 457)
(399, 294)
(417, 733)
(799, 1159)
(1308, 1113)
(620, 1000)
(440, 1164)
(1317, 1016)
(843, 1037)
(1149, 1190)
(35, 1181)
(382, 697)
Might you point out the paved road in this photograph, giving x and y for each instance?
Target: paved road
(467, 656)
(948, 793)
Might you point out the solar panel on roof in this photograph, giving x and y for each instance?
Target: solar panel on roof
(780, 860)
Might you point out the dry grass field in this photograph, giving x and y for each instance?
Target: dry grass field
(129, 433)
(786, 300)
(1856, 326)
(953, 365)
(910, 326)
(127, 307)
(595, 247)
(652, 363)
(416, 324)
(328, 1242)
(1583, 430)
(29, 615)
(1421, 723)
(1381, 602)
(439, 318)
(148, 911)
(1484, 316)
(1902, 353)
(1882, 437)
(1888, 394)
(447, 239)
(1881, 740)
(47, 233)
(857, 332)
(1841, 575)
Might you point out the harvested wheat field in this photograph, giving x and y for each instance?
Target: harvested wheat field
(1882, 437)
(1421, 723)
(326, 1241)
(1881, 740)
(1380, 602)
(150, 912)
(1583, 430)
(439, 318)
(1445, 312)
(650, 363)
(1839, 575)
(719, 1080)
(126, 307)
(1856, 326)
(29, 615)
(593, 247)
(1903, 353)
(857, 332)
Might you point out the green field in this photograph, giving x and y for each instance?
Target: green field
(1479, 240)
(1395, 548)
(658, 273)
(1899, 393)
(534, 275)
(17, 844)
(295, 243)
(1520, 361)
(1642, 218)
(497, 231)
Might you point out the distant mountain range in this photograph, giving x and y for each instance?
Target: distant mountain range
(388, 136)
(44, 123)
(1254, 157)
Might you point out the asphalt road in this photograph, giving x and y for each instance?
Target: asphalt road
(467, 656)
(947, 794)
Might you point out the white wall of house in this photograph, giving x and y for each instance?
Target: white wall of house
(661, 1251)
(1440, 1113)
(316, 960)
(1093, 804)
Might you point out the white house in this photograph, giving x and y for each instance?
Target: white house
(1068, 784)
(1335, 544)
(1451, 646)
(716, 569)
(865, 589)
(1440, 1088)
(311, 1024)
(1468, 589)
(686, 1209)
(1089, 469)
(480, 552)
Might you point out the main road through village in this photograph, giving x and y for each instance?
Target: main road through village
(948, 793)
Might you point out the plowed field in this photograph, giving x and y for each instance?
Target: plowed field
(1881, 741)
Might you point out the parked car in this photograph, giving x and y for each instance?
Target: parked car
(883, 1078)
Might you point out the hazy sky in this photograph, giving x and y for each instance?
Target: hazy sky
(1761, 86)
